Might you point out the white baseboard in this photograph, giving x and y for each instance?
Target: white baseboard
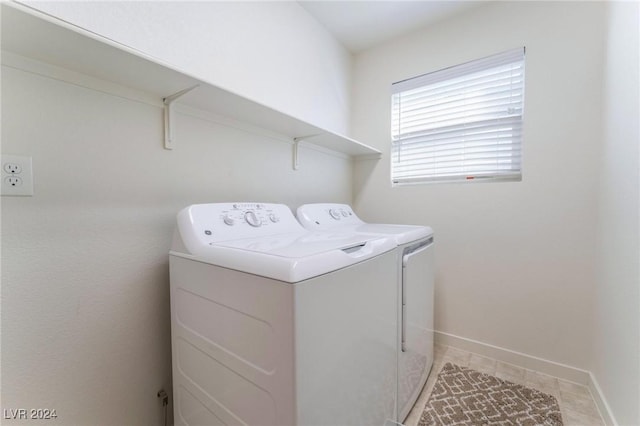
(530, 362)
(601, 401)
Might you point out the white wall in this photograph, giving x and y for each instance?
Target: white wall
(272, 52)
(616, 323)
(85, 300)
(515, 261)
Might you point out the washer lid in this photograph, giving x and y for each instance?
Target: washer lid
(298, 245)
(291, 259)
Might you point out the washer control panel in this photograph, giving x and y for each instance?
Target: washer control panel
(255, 215)
(211, 223)
(326, 216)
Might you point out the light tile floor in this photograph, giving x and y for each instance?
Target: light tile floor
(576, 403)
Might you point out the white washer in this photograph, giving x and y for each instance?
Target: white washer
(415, 275)
(275, 325)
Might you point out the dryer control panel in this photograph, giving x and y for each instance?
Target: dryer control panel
(326, 216)
(204, 224)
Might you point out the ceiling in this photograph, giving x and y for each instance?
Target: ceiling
(361, 24)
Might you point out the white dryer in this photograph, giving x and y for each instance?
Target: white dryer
(275, 325)
(415, 277)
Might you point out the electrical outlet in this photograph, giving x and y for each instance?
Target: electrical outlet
(17, 175)
(12, 168)
(13, 181)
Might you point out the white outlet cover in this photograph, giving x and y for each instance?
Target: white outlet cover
(21, 165)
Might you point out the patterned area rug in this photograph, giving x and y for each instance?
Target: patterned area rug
(462, 396)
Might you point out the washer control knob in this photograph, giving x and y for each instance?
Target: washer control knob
(228, 220)
(273, 218)
(252, 219)
(344, 213)
(334, 214)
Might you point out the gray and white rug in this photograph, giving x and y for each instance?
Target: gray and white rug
(462, 396)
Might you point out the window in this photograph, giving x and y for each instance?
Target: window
(460, 123)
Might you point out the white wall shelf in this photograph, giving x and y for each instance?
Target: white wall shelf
(35, 35)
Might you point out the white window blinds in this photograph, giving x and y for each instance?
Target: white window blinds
(460, 123)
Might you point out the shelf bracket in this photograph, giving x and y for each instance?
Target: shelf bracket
(296, 142)
(168, 127)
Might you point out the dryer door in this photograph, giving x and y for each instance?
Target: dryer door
(416, 355)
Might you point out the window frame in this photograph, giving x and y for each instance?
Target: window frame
(505, 125)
